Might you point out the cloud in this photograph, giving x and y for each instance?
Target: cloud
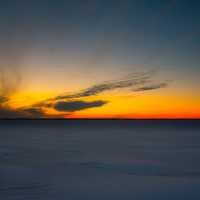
(151, 87)
(3, 99)
(34, 112)
(71, 106)
(130, 81)
(135, 82)
(10, 113)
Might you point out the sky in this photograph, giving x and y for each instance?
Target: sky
(99, 59)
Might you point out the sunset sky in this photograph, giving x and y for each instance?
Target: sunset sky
(99, 59)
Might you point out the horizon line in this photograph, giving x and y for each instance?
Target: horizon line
(68, 119)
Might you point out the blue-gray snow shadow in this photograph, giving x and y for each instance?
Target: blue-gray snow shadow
(136, 168)
(17, 182)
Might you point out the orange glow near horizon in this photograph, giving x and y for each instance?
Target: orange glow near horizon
(134, 116)
(160, 104)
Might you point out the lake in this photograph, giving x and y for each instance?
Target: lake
(99, 159)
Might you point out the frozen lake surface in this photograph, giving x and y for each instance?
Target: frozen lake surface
(99, 159)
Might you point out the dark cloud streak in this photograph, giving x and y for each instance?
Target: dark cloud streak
(71, 106)
(151, 87)
(9, 113)
(132, 80)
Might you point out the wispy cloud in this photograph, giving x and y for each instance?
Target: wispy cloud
(151, 87)
(134, 81)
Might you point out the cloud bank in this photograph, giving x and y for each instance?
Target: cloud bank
(69, 103)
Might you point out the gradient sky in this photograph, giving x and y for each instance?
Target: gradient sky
(100, 58)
